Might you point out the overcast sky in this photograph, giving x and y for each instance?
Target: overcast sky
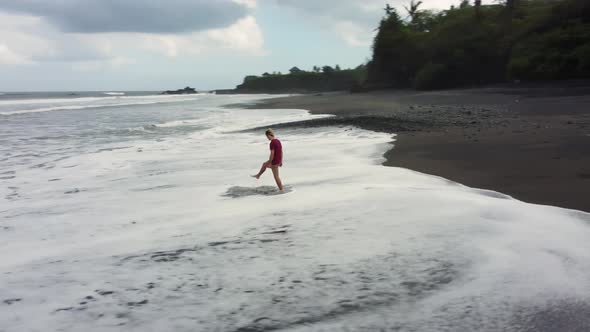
(48, 45)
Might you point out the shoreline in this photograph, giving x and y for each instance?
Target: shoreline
(530, 142)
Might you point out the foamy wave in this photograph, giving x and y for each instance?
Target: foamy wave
(73, 107)
(114, 93)
(172, 124)
(91, 99)
(380, 247)
(79, 107)
(180, 123)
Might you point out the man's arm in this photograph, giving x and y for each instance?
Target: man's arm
(272, 156)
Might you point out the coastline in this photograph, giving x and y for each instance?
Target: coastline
(530, 142)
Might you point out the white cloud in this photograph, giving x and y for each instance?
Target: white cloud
(9, 57)
(92, 66)
(354, 34)
(147, 16)
(248, 3)
(28, 39)
(244, 36)
(34, 40)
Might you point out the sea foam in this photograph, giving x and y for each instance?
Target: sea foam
(159, 235)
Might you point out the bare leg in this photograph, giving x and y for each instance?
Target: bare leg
(264, 166)
(275, 172)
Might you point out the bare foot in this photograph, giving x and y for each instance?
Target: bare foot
(256, 176)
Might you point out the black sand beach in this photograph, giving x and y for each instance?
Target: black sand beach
(528, 141)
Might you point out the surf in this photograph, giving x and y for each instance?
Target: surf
(354, 240)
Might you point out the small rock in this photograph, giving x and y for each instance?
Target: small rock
(137, 304)
(104, 293)
(11, 301)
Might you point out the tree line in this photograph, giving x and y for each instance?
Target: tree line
(324, 78)
(469, 44)
(473, 44)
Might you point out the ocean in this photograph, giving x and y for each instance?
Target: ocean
(136, 212)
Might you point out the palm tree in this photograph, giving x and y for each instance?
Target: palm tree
(510, 4)
(388, 9)
(413, 11)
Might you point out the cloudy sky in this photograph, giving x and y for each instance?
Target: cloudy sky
(48, 45)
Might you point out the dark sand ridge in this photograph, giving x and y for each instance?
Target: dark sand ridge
(531, 142)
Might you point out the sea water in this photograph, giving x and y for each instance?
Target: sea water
(138, 213)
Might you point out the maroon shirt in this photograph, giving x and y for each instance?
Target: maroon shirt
(275, 144)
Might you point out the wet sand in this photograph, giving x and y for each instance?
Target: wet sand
(528, 141)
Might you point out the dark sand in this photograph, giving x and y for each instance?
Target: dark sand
(528, 141)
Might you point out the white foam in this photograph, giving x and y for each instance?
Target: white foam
(91, 99)
(23, 106)
(73, 107)
(355, 245)
(114, 93)
(66, 107)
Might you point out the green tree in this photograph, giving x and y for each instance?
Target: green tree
(388, 10)
(250, 78)
(511, 4)
(327, 70)
(395, 53)
(413, 10)
(331, 80)
(477, 5)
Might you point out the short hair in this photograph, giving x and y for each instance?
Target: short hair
(269, 132)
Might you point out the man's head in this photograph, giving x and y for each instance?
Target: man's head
(270, 134)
